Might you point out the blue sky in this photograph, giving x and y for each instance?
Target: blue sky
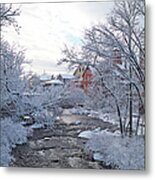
(46, 27)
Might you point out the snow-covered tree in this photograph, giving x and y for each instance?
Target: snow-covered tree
(123, 81)
(12, 79)
(125, 31)
(73, 97)
(17, 100)
(7, 16)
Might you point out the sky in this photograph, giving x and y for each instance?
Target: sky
(47, 27)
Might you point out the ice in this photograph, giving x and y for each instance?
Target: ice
(37, 126)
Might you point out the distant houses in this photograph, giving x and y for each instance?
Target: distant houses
(48, 81)
(56, 82)
(66, 78)
(83, 76)
(44, 80)
(53, 82)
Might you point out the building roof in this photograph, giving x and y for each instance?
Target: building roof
(54, 82)
(67, 76)
(83, 70)
(45, 77)
(93, 70)
(79, 71)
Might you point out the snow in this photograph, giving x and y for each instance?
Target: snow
(93, 70)
(45, 77)
(73, 96)
(23, 123)
(121, 66)
(98, 156)
(56, 81)
(31, 94)
(122, 153)
(112, 149)
(80, 111)
(88, 134)
(37, 126)
(77, 122)
(68, 76)
(111, 118)
(105, 117)
(53, 82)
(43, 118)
(12, 133)
(27, 117)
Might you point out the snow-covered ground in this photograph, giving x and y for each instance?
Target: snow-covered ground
(114, 150)
(111, 118)
(88, 134)
(110, 147)
(12, 133)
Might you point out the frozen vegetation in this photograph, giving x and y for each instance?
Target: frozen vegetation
(106, 117)
(116, 51)
(118, 152)
(110, 117)
(111, 148)
(116, 94)
(12, 134)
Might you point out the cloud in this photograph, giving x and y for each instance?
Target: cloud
(46, 27)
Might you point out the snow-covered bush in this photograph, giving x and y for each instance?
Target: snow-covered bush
(42, 105)
(12, 133)
(80, 111)
(16, 99)
(13, 81)
(73, 97)
(122, 153)
(43, 118)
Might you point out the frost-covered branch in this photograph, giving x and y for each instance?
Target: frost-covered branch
(7, 16)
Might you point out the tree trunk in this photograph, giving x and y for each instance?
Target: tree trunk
(130, 105)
